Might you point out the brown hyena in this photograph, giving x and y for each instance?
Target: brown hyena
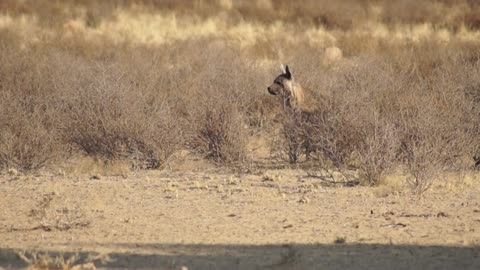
(291, 92)
(300, 114)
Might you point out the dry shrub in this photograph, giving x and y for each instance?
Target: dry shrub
(294, 137)
(366, 92)
(107, 116)
(378, 117)
(222, 136)
(429, 119)
(54, 100)
(28, 137)
(423, 98)
(438, 129)
(293, 133)
(376, 151)
(348, 128)
(391, 101)
(261, 112)
(27, 140)
(223, 98)
(471, 89)
(325, 136)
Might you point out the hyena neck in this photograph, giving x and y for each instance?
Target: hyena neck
(295, 99)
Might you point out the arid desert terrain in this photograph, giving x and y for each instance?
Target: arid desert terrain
(141, 135)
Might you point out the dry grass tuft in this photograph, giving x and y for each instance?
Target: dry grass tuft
(222, 136)
(45, 261)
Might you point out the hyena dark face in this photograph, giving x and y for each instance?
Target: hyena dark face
(282, 84)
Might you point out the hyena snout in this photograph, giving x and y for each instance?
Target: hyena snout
(270, 90)
(273, 90)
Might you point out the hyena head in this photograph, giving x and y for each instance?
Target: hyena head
(290, 91)
(283, 83)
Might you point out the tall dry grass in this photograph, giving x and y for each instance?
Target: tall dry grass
(137, 80)
(29, 137)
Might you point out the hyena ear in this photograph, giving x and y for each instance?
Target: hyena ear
(282, 67)
(287, 73)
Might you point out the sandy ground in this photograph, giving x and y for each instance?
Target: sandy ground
(212, 219)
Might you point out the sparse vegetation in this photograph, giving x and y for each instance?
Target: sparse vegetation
(221, 136)
(38, 261)
(138, 80)
(340, 240)
(46, 261)
(61, 219)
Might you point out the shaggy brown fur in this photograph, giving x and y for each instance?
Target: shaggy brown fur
(301, 109)
(293, 95)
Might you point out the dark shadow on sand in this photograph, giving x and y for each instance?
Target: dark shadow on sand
(293, 256)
